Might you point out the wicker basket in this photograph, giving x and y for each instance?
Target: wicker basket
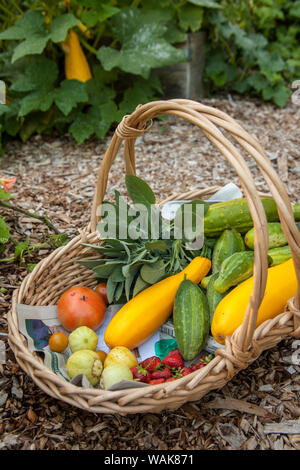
(59, 271)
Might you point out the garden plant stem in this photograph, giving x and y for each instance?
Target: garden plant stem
(43, 218)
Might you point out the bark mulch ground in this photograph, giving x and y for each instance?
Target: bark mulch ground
(259, 408)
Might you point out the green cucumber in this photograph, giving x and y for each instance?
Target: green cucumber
(279, 255)
(236, 214)
(205, 281)
(276, 236)
(191, 319)
(228, 243)
(239, 266)
(234, 269)
(213, 297)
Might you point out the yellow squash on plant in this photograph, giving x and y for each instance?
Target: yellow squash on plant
(76, 64)
(139, 318)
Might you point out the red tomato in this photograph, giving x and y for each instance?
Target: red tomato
(101, 289)
(81, 306)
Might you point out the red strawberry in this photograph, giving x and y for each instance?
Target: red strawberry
(171, 379)
(174, 359)
(164, 373)
(151, 363)
(156, 381)
(186, 371)
(139, 373)
(197, 366)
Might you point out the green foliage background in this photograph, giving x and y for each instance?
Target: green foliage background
(252, 47)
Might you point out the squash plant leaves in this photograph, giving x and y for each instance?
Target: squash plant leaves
(140, 36)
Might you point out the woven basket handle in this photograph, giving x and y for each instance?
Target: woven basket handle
(207, 119)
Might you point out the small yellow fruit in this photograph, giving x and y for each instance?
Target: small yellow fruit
(115, 373)
(85, 362)
(83, 338)
(120, 355)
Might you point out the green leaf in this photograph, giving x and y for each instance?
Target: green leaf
(154, 245)
(257, 81)
(141, 92)
(110, 289)
(98, 93)
(30, 27)
(38, 100)
(206, 3)
(119, 291)
(152, 273)
(87, 124)
(270, 63)
(110, 112)
(105, 270)
(35, 44)
(102, 12)
(61, 25)
(295, 10)
(4, 196)
(281, 95)
(20, 250)
(129, 279)
(91, 263)
(4, 232)
(30, 125)
(41, 73)
(190, 18)
(219, 70)
(69, 94)
(139, 285)
(142, 37)
(31, 23)
(117, 275)
(31, 267)
(139, 191)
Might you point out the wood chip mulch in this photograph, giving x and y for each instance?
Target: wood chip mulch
(259, 408)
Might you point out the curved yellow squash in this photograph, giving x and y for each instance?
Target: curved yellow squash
(139, 318)
(229, 314)
(76, 65)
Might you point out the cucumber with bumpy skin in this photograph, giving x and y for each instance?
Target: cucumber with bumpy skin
(234, 269)
(191, 319)
(239, 266)
(213, 297)
(236, 214)
(279, 255)
(276, 236)
(229, 242)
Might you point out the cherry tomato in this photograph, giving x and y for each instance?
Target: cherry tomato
(101, 289)
(58, 342)
(102, 355)
(81, 306)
